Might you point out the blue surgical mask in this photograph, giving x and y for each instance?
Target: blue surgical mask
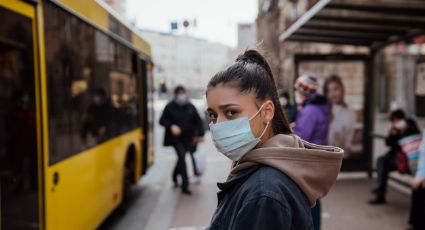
(234, 138)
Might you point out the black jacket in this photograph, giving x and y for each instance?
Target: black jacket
(261, 197)
(392, 139)
(187, 118)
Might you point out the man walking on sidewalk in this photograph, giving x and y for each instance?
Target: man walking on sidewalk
(183, 129)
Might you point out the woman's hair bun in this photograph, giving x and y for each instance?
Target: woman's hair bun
(253, 56)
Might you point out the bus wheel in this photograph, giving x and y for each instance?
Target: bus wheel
(127, 179)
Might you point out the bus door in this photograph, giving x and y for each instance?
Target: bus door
(148, 114)
(19, 156)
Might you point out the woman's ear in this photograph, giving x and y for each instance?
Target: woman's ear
(268, 111)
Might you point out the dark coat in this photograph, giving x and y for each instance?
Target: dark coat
(393, 138)
(261, 197)
(187, 118)
(291, 112)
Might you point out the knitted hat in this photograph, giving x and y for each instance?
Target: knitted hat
(306, 84)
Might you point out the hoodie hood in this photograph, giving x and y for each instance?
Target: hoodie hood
(314, 168)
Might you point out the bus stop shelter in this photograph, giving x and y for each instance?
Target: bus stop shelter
(373, 24)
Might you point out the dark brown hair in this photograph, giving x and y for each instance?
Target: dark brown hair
(252, 73)
(397, 114)
(179, 89)
(337, 80)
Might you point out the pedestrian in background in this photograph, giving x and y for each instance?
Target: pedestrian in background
(312, 123)
(400, 127)
(342, 119)
(183, 129)
(275, 176)
(289, 108)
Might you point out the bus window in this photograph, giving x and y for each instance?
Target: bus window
(18, 143)
(92, 93)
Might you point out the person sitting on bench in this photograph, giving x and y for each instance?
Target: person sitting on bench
(400, 127)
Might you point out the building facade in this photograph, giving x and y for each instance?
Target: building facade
(247, 36)
(399, 72)
(185, 60)
(375, 77)
(274, 17)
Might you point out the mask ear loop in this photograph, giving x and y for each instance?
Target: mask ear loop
(253, 116)
(264, 131)
(267, 125)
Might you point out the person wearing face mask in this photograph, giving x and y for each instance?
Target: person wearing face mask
(275, 176)
(400, 127)
(183, 130)
(290, 109)
(312, 123)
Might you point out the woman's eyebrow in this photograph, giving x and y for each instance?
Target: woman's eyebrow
(221, 107)
(226, 106)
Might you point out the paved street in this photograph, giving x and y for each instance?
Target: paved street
(346, 208)
(156, 205)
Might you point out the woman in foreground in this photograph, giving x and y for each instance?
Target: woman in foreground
(275, 177)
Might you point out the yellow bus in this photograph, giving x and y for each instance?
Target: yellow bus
(75, 113)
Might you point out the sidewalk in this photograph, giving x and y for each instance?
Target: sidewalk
(346, 207)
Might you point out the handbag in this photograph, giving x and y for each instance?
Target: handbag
(402, 163)
(409, 156)
(200, 158)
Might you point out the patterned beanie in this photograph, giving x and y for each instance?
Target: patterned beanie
(306, 84)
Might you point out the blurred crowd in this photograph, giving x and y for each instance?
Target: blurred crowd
(327, 120)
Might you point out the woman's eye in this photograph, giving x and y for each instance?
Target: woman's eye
(230, 114)
(212, 116)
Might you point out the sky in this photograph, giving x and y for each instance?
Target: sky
(216, 19)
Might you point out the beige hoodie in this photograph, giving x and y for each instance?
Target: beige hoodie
(314, 168)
